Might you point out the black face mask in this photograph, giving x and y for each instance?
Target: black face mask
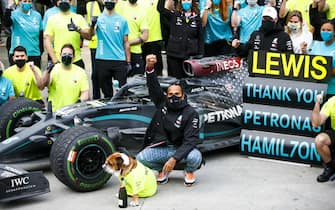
(1, 72)
(109, 5)
(20, 63)
(67, 59)
(132, 1)
(175, 102)
(64, 6)
(268, 26)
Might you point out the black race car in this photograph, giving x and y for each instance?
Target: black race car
(78, 138)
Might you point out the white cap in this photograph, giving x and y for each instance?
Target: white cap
(270, 12)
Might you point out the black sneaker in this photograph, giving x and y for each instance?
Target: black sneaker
(327, 174)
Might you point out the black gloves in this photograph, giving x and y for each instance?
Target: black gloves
(94, 20)
(72, 27)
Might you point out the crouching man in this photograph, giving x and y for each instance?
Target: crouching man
(173, 133)
(325, 141)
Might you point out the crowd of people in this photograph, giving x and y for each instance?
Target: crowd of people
(123, 33)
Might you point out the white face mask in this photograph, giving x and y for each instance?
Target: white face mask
(252, 2)
(294, 27)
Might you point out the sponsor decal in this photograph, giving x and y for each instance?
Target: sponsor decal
(218, 116)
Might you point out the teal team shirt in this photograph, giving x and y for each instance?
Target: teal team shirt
(54, 10)
(251, 20)
(216, 28)
(110, 32)
(320, 48)
(26, 31)
(6, 89)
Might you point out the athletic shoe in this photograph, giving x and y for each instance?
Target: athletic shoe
(327, 174)
(189, 179)
(162, 178)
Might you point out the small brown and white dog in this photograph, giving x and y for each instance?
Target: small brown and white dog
(121, 165)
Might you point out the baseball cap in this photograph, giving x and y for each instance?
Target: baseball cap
(270, 12)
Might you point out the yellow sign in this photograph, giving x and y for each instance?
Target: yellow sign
(290, 66)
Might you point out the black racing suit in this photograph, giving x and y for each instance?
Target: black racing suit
(275, 41)
(179, 128)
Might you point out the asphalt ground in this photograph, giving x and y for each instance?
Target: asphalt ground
(227, 181)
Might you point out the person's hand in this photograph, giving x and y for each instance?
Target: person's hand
(208, 4)
(169, 165)
(10, 3)
(50, 67)
(319, 98)
(303, 47)
(94, 20)
(150, 60)
(72, 27)
(31, 65)
(129, 68)
(236, 43)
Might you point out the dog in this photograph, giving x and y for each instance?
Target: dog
(139, 180)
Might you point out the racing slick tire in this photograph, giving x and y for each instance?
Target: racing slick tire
(77, 157)
(12, 114)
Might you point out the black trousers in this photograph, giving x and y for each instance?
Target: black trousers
(137, 64)
(108, 70)
(156, 49)
(94, 77)
(219, 47)
(175, 67)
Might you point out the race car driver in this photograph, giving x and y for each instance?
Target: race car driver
(173, 133)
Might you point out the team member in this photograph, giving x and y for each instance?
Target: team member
(173, 133)
(135, 15)
(65, 27)
(67, 83)
(248, 19)
(93, 11)
(186, 37)
(301, 39)
(113, 54)
(6, 87)
(54, 10)
(26, 77)
(269, 37)
(326, 48)
(217, 32)
(154, 43)
(27, 31)
(325, 141)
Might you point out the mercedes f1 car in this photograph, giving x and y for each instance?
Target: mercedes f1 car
(78, 138)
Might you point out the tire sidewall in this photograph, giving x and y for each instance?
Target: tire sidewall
(12, 112)
(73, 175)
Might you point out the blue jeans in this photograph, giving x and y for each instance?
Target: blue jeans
(156, 157)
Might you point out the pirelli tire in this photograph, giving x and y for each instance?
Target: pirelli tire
(12, 114)
(77, 157)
